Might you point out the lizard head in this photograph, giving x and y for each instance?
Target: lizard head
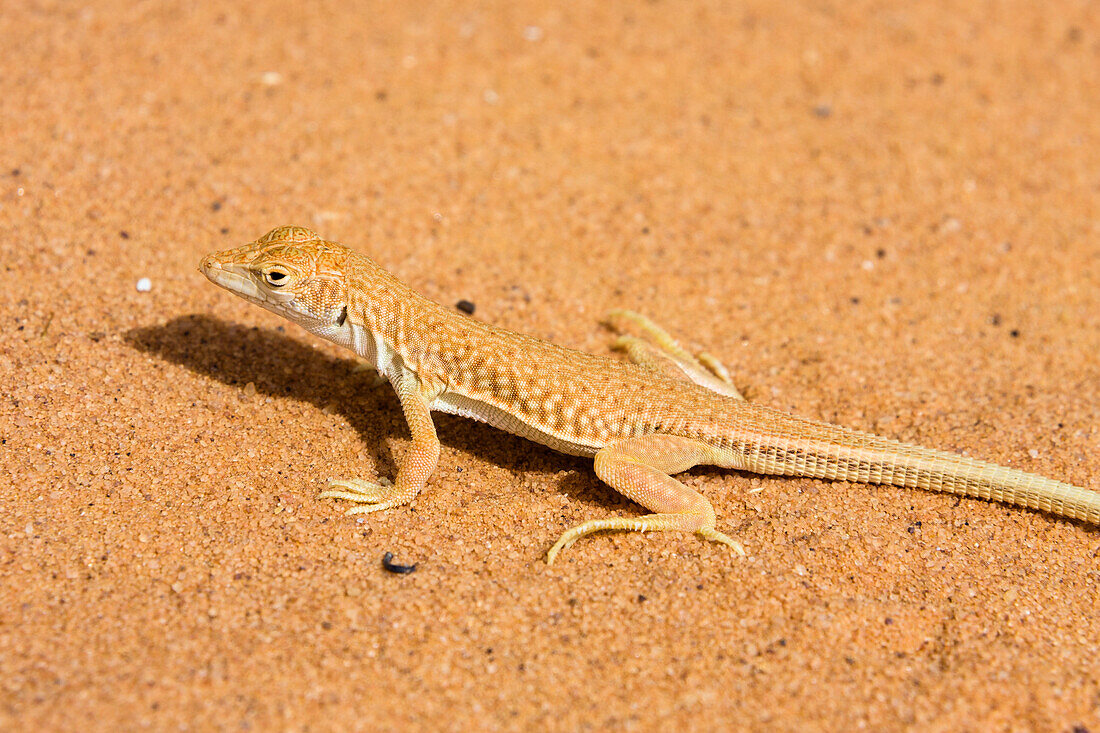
(290, 271)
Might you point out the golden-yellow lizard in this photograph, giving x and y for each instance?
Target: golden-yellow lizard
(641, 422)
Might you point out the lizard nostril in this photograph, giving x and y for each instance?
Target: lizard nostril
(208, 263)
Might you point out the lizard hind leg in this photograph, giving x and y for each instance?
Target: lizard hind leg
(639, 469)
(662, 353)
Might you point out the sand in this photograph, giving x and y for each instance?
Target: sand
(880, 214)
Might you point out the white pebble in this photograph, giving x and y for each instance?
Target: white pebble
(532, 33)
(144, 285)
(271, 78)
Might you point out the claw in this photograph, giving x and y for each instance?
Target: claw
(357, 490)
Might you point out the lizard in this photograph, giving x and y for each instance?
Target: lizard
(641, 421)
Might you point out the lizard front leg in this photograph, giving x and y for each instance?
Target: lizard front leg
(418, 465)
(639, 469)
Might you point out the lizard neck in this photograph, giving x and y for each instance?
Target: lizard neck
(388, 322)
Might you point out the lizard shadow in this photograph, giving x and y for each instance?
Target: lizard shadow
(279, 365)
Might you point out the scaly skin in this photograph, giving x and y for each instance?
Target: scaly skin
(641, 422)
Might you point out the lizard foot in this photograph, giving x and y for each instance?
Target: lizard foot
(715, 536)
(657, 350)
(640, 524)
(368, 495)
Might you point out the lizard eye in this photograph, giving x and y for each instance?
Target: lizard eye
(276, 278)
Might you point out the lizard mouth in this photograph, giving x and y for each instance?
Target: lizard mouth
(238, 279)
(232, 280)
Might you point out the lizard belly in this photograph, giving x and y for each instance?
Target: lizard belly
(463, 406)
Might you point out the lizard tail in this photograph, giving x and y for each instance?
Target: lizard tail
(800, 447)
